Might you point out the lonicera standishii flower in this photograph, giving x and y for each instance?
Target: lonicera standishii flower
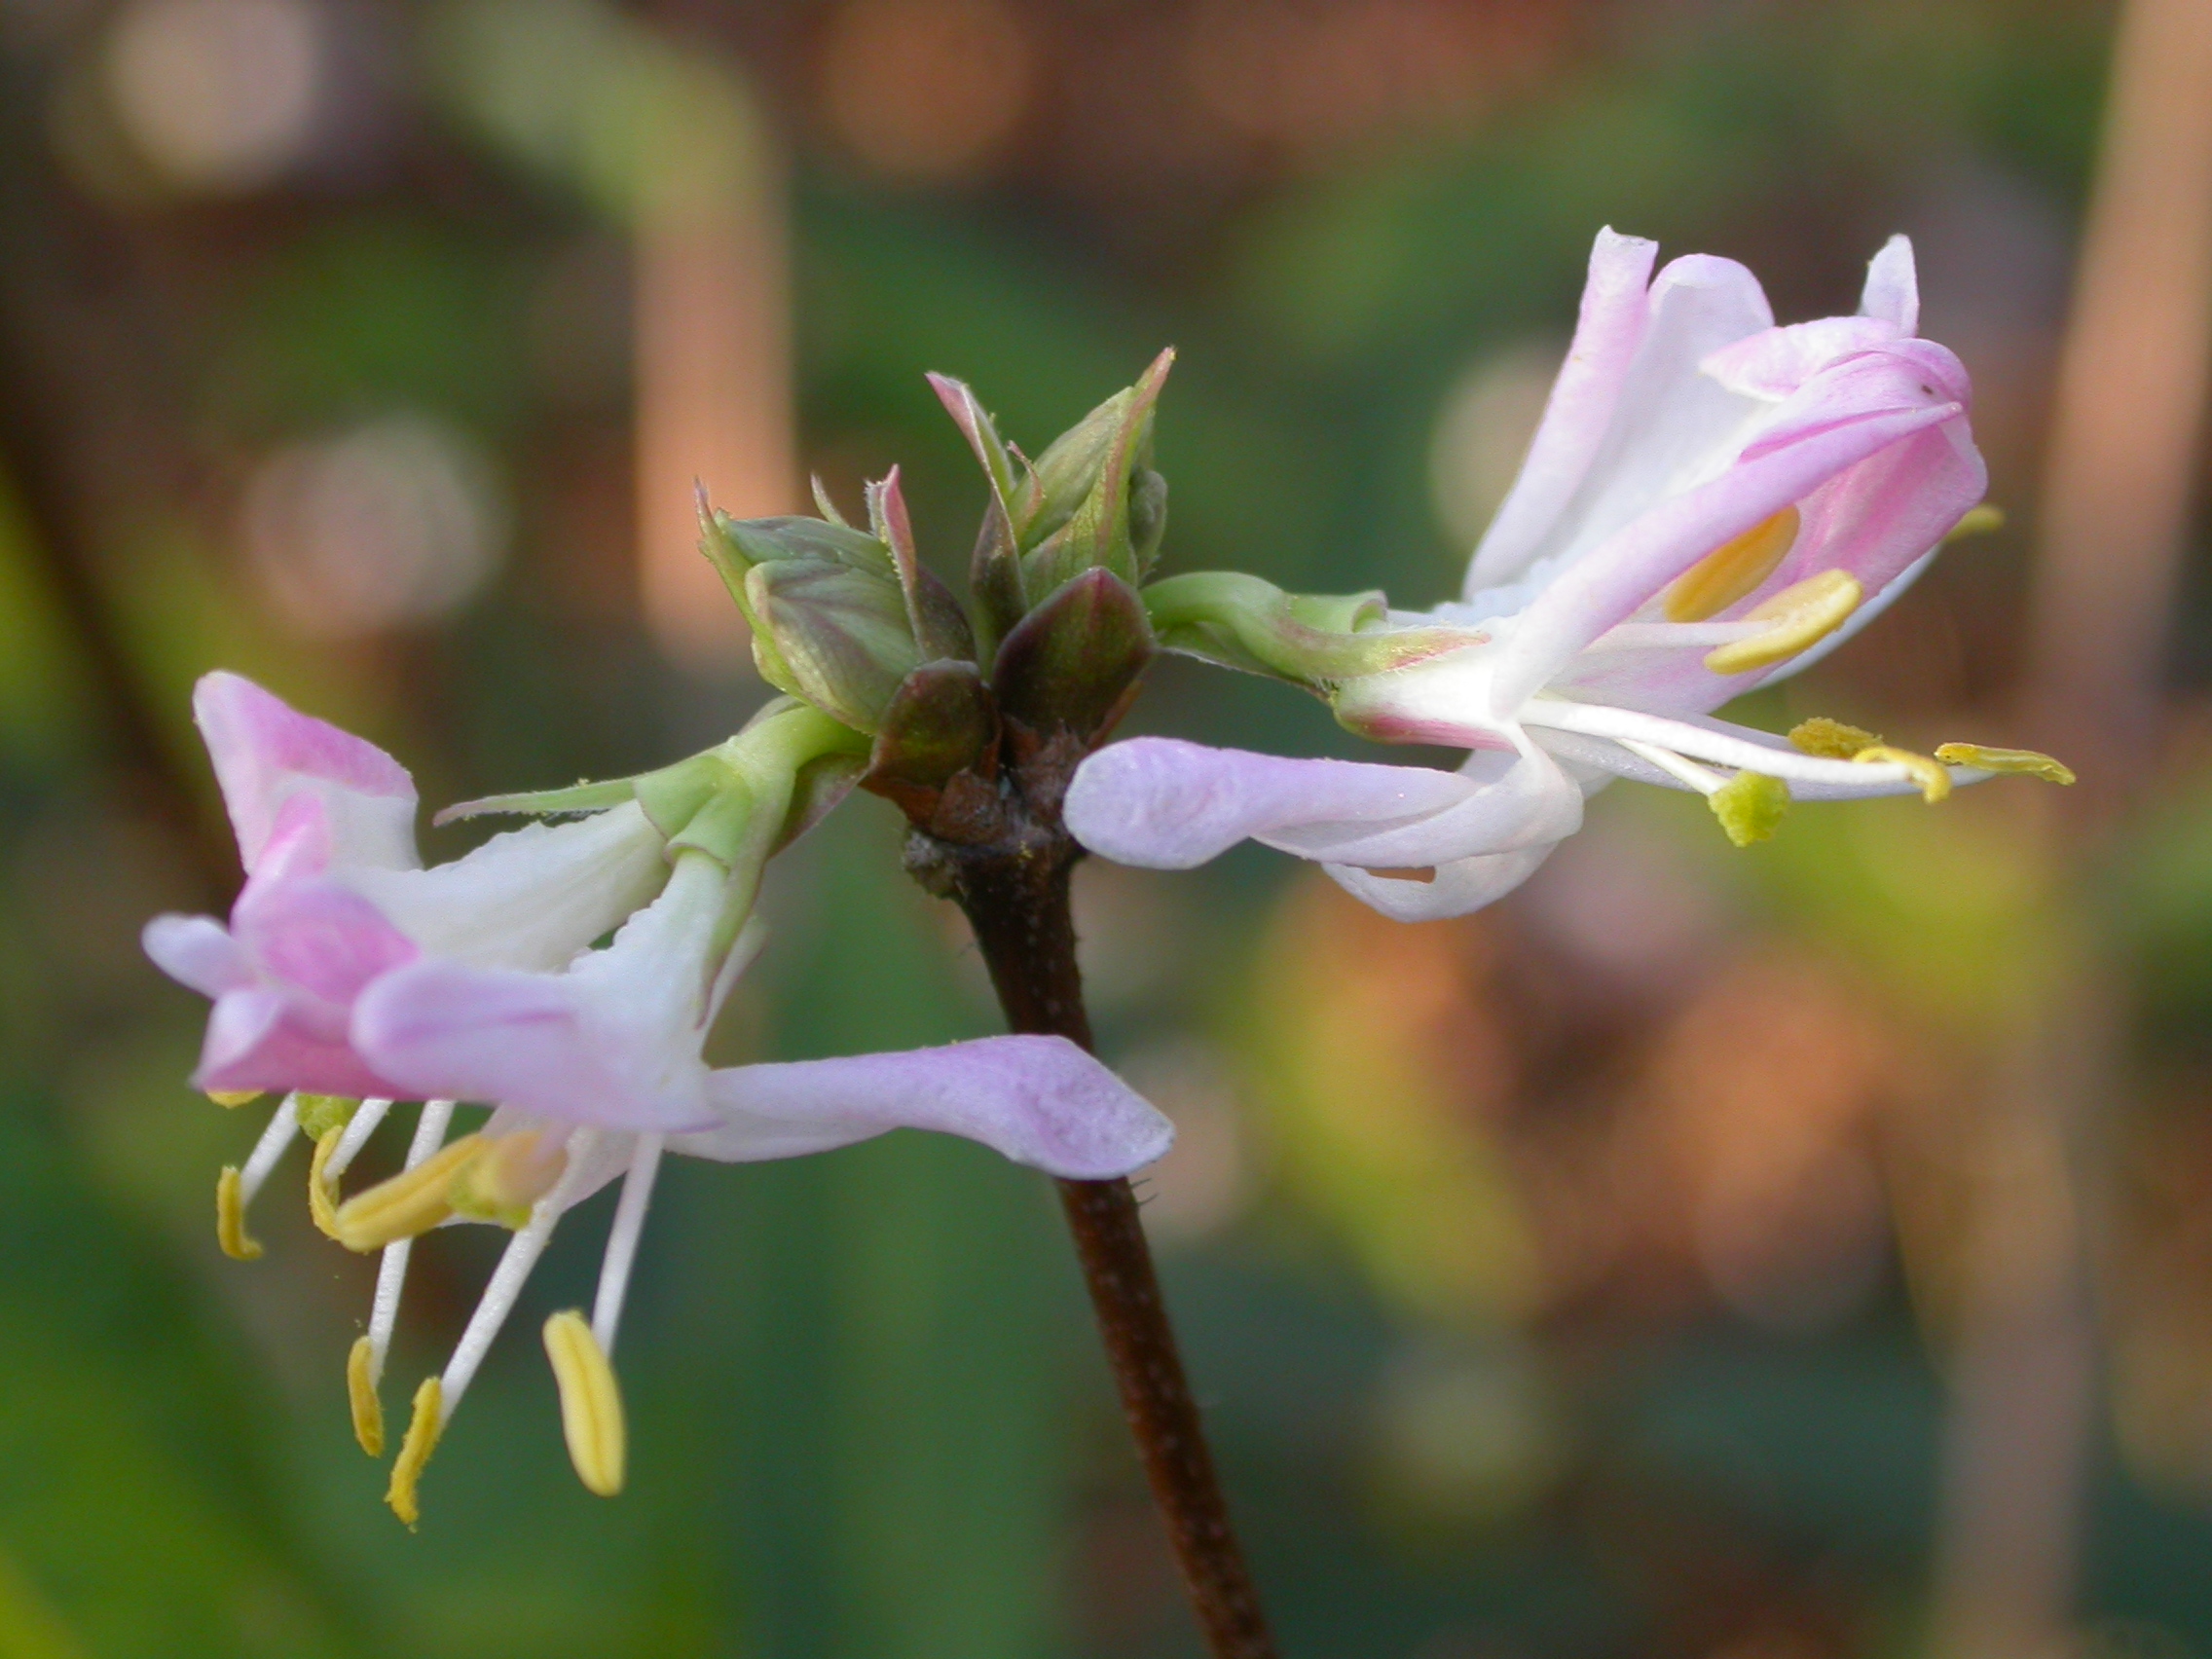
(351, 976)
(1709, 502)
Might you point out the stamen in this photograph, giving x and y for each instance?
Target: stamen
(511, 1173)
(412, 1201)
(230, 1218)
(363, 1124)
(622, 1239)
(2029, 761)
(423, 1430)
(391, 1268)
(1832, 739)
(1675, 766)
(1976, 520)
(1617, 725)
(322, 1208)
(1933, 781)
(508, 1279)
(1732, 571)
(1751, 807)
(361, 1396)
(234, 1098)
(269, 1149)
(591, 1403)
(1803, 615)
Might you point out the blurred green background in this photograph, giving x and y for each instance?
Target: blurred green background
(1584, 1278)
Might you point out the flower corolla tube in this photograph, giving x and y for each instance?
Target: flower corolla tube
(1709, 502)
(351, 978)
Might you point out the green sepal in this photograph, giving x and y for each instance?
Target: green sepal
(842, 635)
(943, 720)
(935, 621)
(1073, 658)
(582, 797)
(1087, 480)
(1318, 641)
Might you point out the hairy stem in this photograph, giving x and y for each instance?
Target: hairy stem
(1015, 896)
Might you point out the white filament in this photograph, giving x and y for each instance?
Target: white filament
(1688, 772)
(282, 1127)
(622, 1239)
(391, 1265)
(358, 1128)
(511, 1276)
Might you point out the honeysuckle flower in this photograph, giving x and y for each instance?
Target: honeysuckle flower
(351, 976)
(1709, 502)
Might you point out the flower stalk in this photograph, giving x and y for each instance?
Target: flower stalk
(1014, 890)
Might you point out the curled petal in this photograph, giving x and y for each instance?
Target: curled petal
(1893, 287)
(256, 1040)
(1039, 1100)
(528, 897)
(1774, 364)
(1579, 411)
(197, 951)
(265, 751)
(1608, 586)
(446, 1031)
(1161, 804)
(318, 940)
(1456, 888)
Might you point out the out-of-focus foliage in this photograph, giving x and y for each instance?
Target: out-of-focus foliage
(1573, 1281)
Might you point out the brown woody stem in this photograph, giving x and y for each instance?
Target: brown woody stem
(1014, 892)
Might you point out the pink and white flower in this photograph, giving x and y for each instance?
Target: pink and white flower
(336, 895)
(1709, 502)
(351, 976)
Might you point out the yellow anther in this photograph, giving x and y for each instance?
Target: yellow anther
(413, 1201)
(1749, 807)
(1831, 740)
(423, 1430)
(1976, 520)
(362, 1395)
(2025, 761)
(591, 1403)
(229, 1217)
(1935, 781)
(233, 1096)
(1731, 571)
(511, 1173)
(1802, 615)
(319, 1114)
(322, 1205)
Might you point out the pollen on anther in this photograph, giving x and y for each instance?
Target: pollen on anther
(1733, 571)
(1831, 740)
(1798, 617)
(322, 1205)
(1933, 781)
(423, 1430)
(229, 1217)
(234, 1098)
(410, 1202)
(591, 1403)
(361, 1396)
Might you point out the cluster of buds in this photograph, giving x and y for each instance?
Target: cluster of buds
(971, 712)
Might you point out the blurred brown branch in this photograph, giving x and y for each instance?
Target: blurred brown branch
(2126, 431)
(88, 443)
